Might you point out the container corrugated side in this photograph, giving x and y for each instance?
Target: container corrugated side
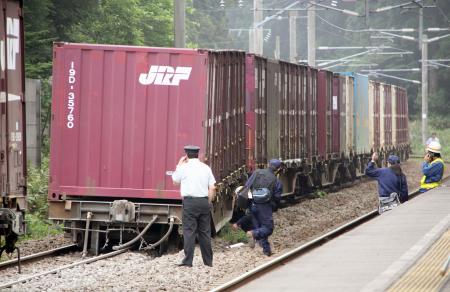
(388, 99)
(12, 106)
(324, 113)
(338, 134)
(374, 111)
(273, 109)
(291, 114)
(361, 110)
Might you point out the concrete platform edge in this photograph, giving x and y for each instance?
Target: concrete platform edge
(386, 279)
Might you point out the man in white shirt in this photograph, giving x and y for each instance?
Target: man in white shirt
(433, 138)
(197, 191)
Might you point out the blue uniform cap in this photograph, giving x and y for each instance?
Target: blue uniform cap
(274, 163)
(393, 159)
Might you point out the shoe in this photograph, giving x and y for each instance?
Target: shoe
(251, 239)
(268, 253)
(209, 265)
(184, 265)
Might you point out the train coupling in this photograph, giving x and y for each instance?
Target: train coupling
(11, 221)
(122, 211)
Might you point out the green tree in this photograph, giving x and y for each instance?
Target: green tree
(38, 38)
(111, 22)
(157, 22)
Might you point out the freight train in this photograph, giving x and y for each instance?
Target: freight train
(122, 114)
(12, 126)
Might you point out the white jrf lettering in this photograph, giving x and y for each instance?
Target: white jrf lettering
(12, 44)
(165, 75)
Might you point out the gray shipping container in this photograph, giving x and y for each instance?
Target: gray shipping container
(361, 109)
(33, 120)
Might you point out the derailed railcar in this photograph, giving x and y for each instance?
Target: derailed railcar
(120, 118)
(12, 126)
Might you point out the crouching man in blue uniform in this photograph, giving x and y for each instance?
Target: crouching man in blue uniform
(261, 208)
(432, 168)
(390, 179)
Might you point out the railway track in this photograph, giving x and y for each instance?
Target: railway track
(37, 256)
(56, 270)
(297, 252)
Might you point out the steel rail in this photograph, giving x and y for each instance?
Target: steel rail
(298, 251)
(53, 271)
(38, 255)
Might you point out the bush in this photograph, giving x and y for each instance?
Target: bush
(37, 182)
(418, 148)
(232, 236)
(320, 193)
(36, 218)
(38, 227)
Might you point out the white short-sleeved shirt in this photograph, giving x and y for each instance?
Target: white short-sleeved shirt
(195, 178)
(431, 139)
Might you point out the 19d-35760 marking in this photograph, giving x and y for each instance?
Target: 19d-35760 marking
(71, 97)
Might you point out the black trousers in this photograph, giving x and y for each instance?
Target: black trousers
(197, 223)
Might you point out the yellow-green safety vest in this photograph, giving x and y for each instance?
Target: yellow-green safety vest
(431, 185)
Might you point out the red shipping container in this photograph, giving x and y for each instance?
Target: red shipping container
(12, 122)
(121, 116)
(386, 116)
(400, 131)
(256, 110)
(336, 108)
(311, 113)
(324, 118)
(291, 110)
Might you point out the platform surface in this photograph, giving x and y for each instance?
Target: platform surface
(370, 257)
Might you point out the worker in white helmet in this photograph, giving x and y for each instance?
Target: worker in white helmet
(432, 168)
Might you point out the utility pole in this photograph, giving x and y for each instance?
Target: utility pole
(178, 20)
(293, 36)
(256, 33)
(420, 27)
(277, 47)
(311, 36)
(367, 13)
(424, 88)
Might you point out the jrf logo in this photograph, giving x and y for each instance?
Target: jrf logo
(12, 44)
(165, 75)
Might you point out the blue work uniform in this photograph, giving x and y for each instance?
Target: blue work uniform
(388, 181)
(262, 214)
(432, 174)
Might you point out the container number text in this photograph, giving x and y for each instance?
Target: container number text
(71, 97)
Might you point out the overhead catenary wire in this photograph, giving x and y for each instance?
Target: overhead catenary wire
(441, 11)
(367, 30)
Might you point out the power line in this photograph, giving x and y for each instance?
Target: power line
(440, 10)
(367, 30)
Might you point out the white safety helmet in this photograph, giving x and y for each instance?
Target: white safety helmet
(434, 147)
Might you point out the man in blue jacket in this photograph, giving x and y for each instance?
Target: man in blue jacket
(262, 213)
(390, 179)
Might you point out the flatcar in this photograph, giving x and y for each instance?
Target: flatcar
(12, 126)
(122, 114)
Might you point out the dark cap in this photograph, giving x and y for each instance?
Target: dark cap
(393, 159)
(274, 163)
(191, 149)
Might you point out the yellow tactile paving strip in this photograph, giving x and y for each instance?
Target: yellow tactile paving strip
(425, 274)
